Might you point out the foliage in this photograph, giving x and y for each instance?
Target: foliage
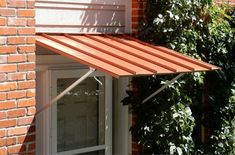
(203, 30)
(225, 136)
(221, 87)
(165, 125)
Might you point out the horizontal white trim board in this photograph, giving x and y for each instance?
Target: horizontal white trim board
(76, 26)
(107, 2)
(82, 16)
(80, 6)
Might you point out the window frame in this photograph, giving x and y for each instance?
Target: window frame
(49, 117)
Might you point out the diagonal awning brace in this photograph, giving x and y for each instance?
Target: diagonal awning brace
(55, 99)
(162, 88)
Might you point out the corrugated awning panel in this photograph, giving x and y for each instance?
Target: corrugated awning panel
(121, 55)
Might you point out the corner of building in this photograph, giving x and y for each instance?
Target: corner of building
(17, 77)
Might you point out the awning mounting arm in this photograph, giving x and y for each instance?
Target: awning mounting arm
(163, 87)
(55, 99)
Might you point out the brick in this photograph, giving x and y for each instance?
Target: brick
(2, 115)
(16, 40)
(31, 111)
(26, 102)
(7, 49)
(11, 141)
(16, 94)
(3, 151)
(31, 4)
(16, 76)
(8, 86)
(16, 58)
(2, 133)
(25, 121)
(3, 59)
(134, 152)
(26, 13)
(26, 67)
(26, 84)
(26, 31)
(3, 40)
(7, 105)
(135, 25)
(7, 12)
(3, 96)
(16, 113)
(31, 75)
(134, 32)
(31, 93)
(16, 3)
(31, 57)
(26, 139)
(16, 149)
(31, 40)
(138, 9)
(16, 22)
(136, 5)
(230, 2)
(7, 123)
(26, 49)
(136, 12)
(2, 21)
(135, 19)
(8, 68)
(3, 142)
(7, 31)
(3, 3)
(17, 131)
(31, 22)
(3, 77)
(138, 1)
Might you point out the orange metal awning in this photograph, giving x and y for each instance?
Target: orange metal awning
(121, 55)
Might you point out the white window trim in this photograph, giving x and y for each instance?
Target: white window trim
(45, 65)
(42, 121)
(48, 120)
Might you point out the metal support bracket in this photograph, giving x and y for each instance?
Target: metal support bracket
(55, 99)
(163, 87)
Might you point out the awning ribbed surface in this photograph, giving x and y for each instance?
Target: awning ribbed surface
(121, 55)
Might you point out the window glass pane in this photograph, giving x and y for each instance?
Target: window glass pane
(81, 114)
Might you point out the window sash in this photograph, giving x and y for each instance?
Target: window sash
(83, 150)
(57, 74)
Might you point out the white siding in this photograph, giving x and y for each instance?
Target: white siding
(82, 16)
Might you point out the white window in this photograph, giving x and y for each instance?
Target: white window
(81, 121)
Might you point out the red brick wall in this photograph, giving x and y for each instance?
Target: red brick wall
(17, 77)
(138, 8)
(230, 2)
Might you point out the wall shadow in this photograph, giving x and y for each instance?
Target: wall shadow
(29, 140)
